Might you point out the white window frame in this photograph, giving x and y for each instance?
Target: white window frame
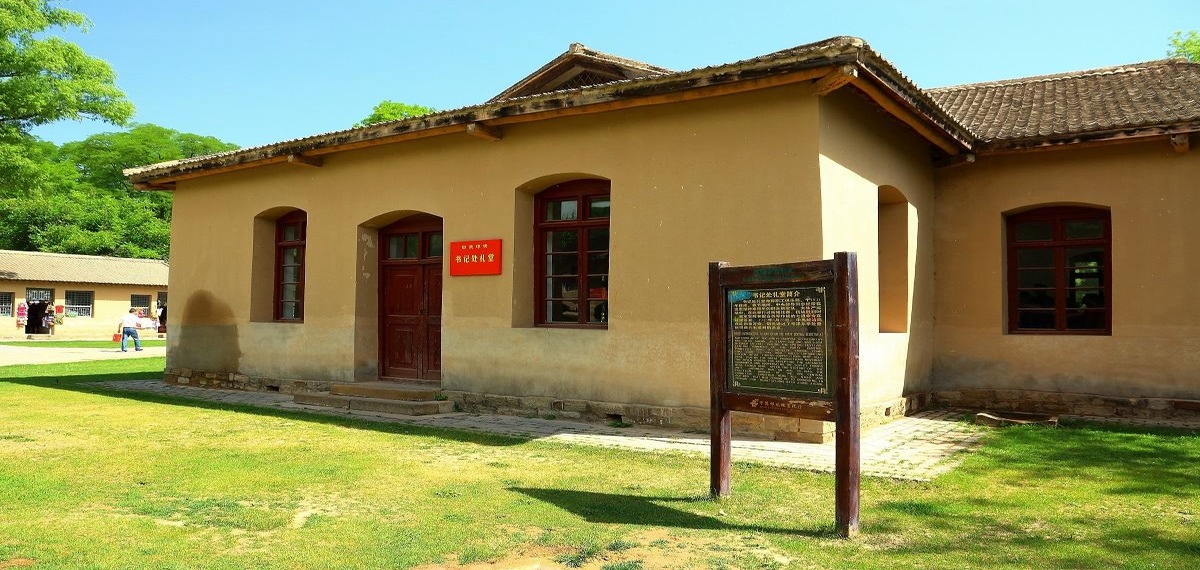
(78, 309)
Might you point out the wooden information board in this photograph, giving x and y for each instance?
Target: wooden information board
(784, 341)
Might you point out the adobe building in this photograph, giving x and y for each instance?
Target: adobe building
(1020, 243)
(86, 294)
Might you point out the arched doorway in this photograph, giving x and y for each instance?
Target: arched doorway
(410, 299)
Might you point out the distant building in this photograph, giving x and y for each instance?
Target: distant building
(1022, 244)
(86, 294)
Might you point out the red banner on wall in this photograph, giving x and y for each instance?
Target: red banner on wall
(475, 257)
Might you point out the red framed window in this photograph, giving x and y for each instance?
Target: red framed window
(291, 232)
(1059, 271)
(572, 249)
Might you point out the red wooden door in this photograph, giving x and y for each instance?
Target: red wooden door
(410, 299)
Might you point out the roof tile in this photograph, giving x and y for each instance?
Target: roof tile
(69, 268)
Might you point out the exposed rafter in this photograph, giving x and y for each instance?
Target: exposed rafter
(485, 132)
(835, 79)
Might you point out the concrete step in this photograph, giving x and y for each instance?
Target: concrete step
(382, 405)
(388, 391)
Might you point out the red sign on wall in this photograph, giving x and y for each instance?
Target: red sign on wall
(475, 257)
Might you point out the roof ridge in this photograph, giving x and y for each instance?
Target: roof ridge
(81, 255)
(1098, 71)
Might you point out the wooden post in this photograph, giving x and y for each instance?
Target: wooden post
(847, 452)
(720, 424)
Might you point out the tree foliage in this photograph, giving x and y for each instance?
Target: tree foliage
(45, 78)
(388, 110)
(1186, 45)
(81, 202)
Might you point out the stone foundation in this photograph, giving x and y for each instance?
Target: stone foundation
(1066, 403)
(236, 381)
(678, 417)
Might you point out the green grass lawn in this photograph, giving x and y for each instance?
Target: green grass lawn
(78, 343)
(90, 479)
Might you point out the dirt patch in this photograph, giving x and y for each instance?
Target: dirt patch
(657, 549)
(17, 562)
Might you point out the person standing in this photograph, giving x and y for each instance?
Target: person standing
(128, 327)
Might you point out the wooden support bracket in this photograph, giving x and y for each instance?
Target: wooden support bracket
(951, 162)
(485, 132)
(834, 79)
(1180, 143)
(299, 159)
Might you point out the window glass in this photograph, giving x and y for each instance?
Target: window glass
(1035, 231)
(1035, 258)
(598, 239)
(562, 210)
(291, 232)
(79, 303)
(289, 266)
(6, 304)
(562, 264)
(598, 207)
(562, 241)
(435, 245)
(1084, 229)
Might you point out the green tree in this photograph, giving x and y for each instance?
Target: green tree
(388, 110)
(45, 78)
(101, 157)
(1186, 45)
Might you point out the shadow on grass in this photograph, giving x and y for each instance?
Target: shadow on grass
(83, 383)
(608, 508)
(1015, 529)
(1123, 460)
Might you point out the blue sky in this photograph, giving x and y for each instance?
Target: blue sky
(253, 72)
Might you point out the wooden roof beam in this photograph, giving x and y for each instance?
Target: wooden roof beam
(907, 116)
(301, 160)
(1180, 142)
(480, 130)
(834, 80)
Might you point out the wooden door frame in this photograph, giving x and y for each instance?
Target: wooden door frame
(424, 225)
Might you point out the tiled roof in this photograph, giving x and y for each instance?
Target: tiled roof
(67, 268)
(1073, 105)
(579, 58)
(842, 50)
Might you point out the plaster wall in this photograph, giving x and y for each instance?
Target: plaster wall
(732, 178)
(862, 150)
(1154, 349)
(110, 303)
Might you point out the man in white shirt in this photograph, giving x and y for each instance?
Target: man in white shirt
(128, 328)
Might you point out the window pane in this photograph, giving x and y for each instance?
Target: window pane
(597, 311)
(1035, 258)
(562, 287)
(598, 207)
(597, 263)
(1035, 231)
(288, 292)
(598, 287)
(290, 274)
(1035, 278)
(562, 241)
(1036, 320)
(411, 245)
(559, 210)
(1085, 256)
(562, 264)
(289, 310)
(1035, 299)
(598, 239)
(291, 256)
(1085, 277)
(562, 311)
(1084, 229)
(1085, 299)
(291, 232)
(435, 245)
(1087, 319)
